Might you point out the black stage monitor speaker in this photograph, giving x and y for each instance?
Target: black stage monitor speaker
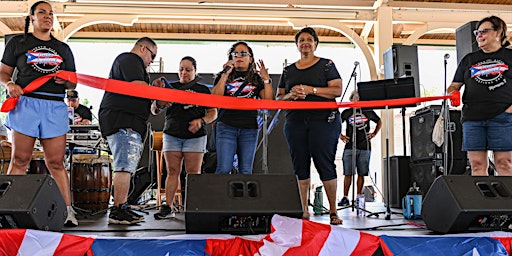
(466, 203)
(465, 40)
(399, 179)
(402, 61)
(31, 201)
(388, 89)
(239, 203)
(421, 128)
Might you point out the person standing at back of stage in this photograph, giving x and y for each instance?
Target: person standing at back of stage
(361, 124)
(312, 133)
(487, 98)
(82, 114)
(123, 121)
(184, 135)
(237, 130)
(40, 114)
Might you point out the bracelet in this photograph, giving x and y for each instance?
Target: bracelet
(10, 82)
(203, 122)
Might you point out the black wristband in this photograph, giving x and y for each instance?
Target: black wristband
(203, 122)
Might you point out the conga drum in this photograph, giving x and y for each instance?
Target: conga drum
(37, 164)
(5, 155)
(91, 181)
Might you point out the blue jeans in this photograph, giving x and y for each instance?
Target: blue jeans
(313, 138)
(230, 141)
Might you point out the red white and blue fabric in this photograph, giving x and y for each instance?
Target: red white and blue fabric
(288, 237)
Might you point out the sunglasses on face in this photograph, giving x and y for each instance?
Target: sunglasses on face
(242, 54)
(483, 31)
(153, 55)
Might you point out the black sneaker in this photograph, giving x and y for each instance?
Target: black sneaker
(344, 201)
(121, 215)
(135, 214)
(164, 213)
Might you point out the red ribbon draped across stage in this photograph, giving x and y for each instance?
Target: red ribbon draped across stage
(172, 95)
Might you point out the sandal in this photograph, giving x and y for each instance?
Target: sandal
(335, 220)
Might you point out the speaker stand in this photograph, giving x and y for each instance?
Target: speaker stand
(387, 199)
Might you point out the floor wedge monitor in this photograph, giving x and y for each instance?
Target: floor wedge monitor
(457, 203)
(31, 201)
(239, 203)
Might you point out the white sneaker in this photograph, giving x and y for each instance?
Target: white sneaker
(71, 220)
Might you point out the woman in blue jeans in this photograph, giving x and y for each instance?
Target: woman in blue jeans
(237, 130)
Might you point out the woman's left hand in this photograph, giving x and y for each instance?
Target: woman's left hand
(263, 71)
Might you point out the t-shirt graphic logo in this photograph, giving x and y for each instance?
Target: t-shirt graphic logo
(489, 72)
(43, 59)
(360, 120)
(247, 91)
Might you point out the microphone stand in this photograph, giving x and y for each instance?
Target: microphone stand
(445, 113)
(354, 155)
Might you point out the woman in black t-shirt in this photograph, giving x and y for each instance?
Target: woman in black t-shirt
(312, 134)
(237, 130)
(487, 98)
(184, 137)
(42, 113)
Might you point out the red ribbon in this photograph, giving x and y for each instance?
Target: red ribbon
(208, 100)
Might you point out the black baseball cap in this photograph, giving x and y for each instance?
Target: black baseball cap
(72, 94)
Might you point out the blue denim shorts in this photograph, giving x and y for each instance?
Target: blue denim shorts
(126, 146)
(39, 118)
(174, 144)
(493, 134)
(362, 162)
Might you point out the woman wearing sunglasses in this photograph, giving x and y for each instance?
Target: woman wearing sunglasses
(237, 130)
(487, 98)
(312, 134)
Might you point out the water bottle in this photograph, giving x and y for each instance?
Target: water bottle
(318, 201)
(361, 204)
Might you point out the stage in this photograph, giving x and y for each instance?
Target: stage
(357, 236)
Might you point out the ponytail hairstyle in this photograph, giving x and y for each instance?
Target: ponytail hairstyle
(500, 26)
(27, 18)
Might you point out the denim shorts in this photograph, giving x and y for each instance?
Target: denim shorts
(493, 134)
(362, 162)
(174, 144)
(126, 146)
(39, 118)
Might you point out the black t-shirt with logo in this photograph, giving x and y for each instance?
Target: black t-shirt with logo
(34, 58)
(178, 116)
(245, 119)
(362, 124)
(487, 78)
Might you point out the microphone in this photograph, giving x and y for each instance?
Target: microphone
(226, 69)
(356, 63)
(446, 56)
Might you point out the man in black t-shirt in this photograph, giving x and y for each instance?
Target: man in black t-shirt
(361, 123)
(123, 121)
(82, 114)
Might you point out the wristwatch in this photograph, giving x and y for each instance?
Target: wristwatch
(315, 90)
(268, 81)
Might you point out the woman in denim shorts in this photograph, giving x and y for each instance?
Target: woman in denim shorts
(184, 137)
(487, 98)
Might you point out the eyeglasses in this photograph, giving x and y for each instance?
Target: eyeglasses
(153, 55)
(242, 54)
(483, 31)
